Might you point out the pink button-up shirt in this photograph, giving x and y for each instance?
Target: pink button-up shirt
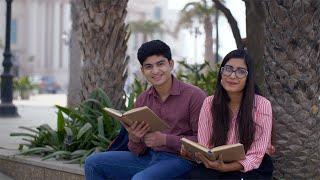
(262, 140)
(180, 110)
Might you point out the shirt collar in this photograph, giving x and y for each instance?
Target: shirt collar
(175, 88)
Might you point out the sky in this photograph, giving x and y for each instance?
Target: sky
(195, 47)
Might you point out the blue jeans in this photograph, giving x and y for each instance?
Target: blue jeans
(126, 165)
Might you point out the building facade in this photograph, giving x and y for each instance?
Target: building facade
(40, 35)
(39, 38)
(154, 10)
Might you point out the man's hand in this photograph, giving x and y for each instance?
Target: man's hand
(155, 139)
(137, 131)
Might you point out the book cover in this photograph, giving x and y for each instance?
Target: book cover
(230, 152)
(139, 114)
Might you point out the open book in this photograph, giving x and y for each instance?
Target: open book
(139, 114)
(230, 152)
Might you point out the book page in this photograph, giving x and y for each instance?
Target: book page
(117, 115)
(113, 111)
(194, 147)
(135, 110)
(230, 152)
(188, 143)
(147, 115)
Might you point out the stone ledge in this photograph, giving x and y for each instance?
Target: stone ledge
(31, 167)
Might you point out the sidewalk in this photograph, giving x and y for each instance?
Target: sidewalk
(37, 110)
(4, 177)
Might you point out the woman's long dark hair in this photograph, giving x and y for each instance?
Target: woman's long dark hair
(220, 110)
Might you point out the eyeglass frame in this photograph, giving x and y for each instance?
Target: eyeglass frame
(234, 71)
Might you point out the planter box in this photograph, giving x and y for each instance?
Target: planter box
(27, 167)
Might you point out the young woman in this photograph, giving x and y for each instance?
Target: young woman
(235, 113)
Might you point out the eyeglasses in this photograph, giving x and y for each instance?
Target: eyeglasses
(239, 72)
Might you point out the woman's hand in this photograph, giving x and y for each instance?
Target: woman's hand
(188, 155)
(218, 165)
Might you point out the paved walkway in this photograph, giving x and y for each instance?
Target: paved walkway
(4, 177)
(34, 112)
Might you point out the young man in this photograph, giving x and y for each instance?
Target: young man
(154, 155)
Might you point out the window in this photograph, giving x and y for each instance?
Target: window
(13, 36)
(157, 13)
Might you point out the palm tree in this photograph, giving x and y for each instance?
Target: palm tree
(203, 12)
(291, 52)
(146, 28)
(74, 87)
(255, 17)
(232, 22)
(103, 43)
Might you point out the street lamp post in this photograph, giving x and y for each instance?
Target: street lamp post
(7, 109)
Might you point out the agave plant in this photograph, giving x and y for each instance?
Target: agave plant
(80, 131)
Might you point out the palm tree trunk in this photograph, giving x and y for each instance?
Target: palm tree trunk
(293, 85)
(208, 51)
(73, 98)
(232, 22)
(145, 37)
(217, 36)
(255, 41)
(103, 44)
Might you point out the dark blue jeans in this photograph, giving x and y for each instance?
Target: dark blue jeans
(126, 165)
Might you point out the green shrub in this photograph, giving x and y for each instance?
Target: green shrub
(200, 75)
(80, 131)
(22, 84)
(137, 88)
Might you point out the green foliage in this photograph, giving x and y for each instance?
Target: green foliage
(146, 27)
(23, 83)
(23, 86)
(137, 88)
(200, 75)
(80, 131)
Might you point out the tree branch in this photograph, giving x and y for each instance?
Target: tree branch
(232, 22)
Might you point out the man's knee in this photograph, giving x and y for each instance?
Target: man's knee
(90, 161)
(142, 175)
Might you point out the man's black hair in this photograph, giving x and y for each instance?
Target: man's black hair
(154, 47)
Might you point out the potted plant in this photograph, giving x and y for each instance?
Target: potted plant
(24, 86)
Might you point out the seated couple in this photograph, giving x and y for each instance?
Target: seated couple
(235, 113)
